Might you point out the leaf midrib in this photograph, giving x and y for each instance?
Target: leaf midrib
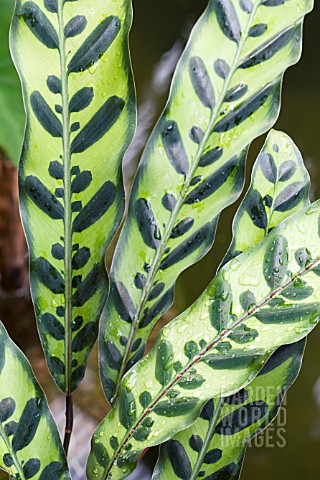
(163, 243)
(209, 435)
(67, 199)
(219, 400)
(12, 453)
(211, 345)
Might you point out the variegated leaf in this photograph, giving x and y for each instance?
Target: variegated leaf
(218, 345)
(30, 446)
(280, 187)
(74, 65)
(279, 172)
(225, 93)
(213, 447)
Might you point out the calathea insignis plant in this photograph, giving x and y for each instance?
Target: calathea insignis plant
(79, 99)
(211, 362)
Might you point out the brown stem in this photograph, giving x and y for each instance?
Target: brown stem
(69, 423)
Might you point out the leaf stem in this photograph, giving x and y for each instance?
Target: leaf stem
(217, 409)
(67, 229)
(69, 423)
(67, 200)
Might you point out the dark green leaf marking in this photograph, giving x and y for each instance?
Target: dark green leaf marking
(81, 182)
(75, 26)
(39, 25)
(164, 368)
(287, 170)
(99, 125)
(179, 459)
(51, 471)
(159, 307)
(286, 314)
(210, 157)
(95, 45)
(169, 201)
(268, 50)
(56, 365)
(201, 237)
(241, 418)
(182, 227)
(54, 84)
(89, 286)
(80, 258)
(52, 326)
(268, 167)
(48, 275)
(221, 308)
(236, 92)
(228, 20)
(289, 197)
(244, 110)
(51, 5)
(176, 407)
(113, 355)
(123, 302)
(7, 409)
(173, 145)
(97, 206)
(147, 223)
(221, 68)
(275, 262)
(258, 30)
(81, 99)
(28, 424)
(45, 115)
(31, 467)
(201, 82)
(257, 211)
(127, 408)
(213, 182)
(85, 337)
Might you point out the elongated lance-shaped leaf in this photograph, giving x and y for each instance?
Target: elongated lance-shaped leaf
(74, 65)
(279, 187)
(30, 446)
(225, 93)
(279, 173)
(198, 356)
(213, 447)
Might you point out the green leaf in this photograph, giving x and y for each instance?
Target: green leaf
(225, 364)
(12, 116)
(225, 92)
(75, 70)
(26, 424)
(278, 166)
(214, 446)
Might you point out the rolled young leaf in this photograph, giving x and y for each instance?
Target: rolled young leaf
(74, 65)
(218, 345)
(279, 172)
(225, 93)
(30, 446)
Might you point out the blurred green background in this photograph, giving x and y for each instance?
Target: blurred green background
(159, 33)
